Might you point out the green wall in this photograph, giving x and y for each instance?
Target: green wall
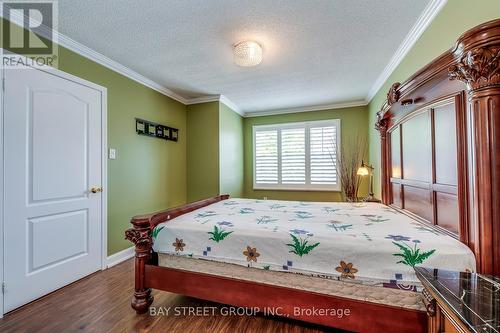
(455, 18)
(214, 151)
(353, 122)
(202, 151)
(148, 174)
(231, 152)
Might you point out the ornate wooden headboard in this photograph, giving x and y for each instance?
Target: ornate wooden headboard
(440, 137)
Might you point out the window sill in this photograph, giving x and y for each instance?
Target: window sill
(260, 188)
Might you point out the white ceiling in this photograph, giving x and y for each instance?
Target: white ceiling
(316, 52)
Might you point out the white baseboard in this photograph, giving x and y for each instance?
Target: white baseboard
(121, 256)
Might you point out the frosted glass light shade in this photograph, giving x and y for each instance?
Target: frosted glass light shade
(363, 171)
(247, 54)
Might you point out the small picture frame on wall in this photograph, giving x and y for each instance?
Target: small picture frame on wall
(174, 134)
(149, 128)
(160, 131)
(140, 126)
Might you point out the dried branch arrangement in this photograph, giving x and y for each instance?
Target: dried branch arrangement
(349, 158)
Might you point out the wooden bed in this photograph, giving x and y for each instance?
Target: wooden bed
(440, 150)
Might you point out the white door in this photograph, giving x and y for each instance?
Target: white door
(52, 158)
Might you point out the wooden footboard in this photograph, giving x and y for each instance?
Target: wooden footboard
(349, 314)
(140, 235)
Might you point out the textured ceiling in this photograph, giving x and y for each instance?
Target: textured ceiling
(315, 51)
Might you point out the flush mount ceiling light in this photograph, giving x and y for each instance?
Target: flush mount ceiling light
(247, 53)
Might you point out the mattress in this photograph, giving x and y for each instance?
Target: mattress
(368, 243)
(352, 289)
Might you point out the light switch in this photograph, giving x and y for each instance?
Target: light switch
(112, 153)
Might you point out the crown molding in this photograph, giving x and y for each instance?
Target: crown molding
(306, 109)
(223, 99)
(428, 15)
(216, 98)
(101, 59)
(203, 99)
(84, 51)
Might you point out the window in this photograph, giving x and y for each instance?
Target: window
(297, 156)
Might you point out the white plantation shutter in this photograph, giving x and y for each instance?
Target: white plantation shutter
(266, 157)
(323, 155)
(301, 156)
(293, 156)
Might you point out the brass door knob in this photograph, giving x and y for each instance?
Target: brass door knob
(96, 189)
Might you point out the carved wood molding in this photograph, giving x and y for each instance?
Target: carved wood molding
(478, 68)
(383, 122)
(140, 237)
(393, 95)
(477, 55)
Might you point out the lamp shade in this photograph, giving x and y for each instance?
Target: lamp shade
(247, 54)
(363, 171)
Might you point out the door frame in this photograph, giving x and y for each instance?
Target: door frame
(104, 164)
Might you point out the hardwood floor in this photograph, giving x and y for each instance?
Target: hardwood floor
(83, 307)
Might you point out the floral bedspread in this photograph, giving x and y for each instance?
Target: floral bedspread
(363, 242)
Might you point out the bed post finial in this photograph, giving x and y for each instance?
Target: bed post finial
(140, 235)
(393, 94)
